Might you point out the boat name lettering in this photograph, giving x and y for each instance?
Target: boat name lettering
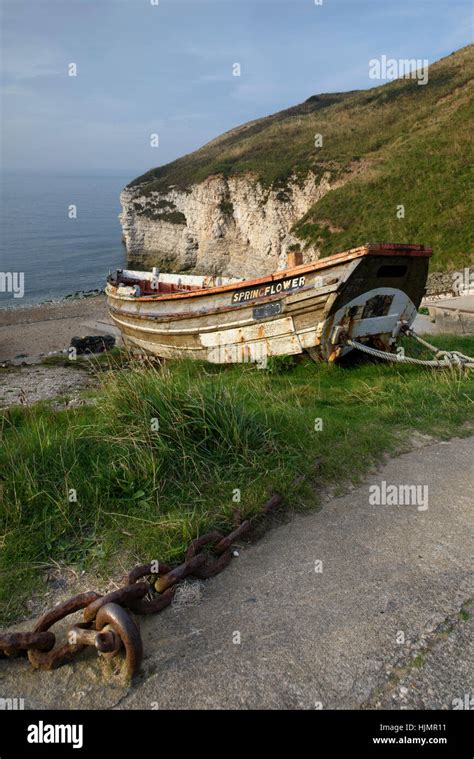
(274, 288)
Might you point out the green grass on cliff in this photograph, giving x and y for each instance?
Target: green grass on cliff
(143, 490)
(429, 174)
(397, 144)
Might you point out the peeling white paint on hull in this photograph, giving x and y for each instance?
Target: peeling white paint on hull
(363, 293)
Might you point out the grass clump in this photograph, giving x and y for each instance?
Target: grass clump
(280, 364)
(160, 456)
(140, 473)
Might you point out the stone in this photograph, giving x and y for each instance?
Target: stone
(92, 344)
(251, 240)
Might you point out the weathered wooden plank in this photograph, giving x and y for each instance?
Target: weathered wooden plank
(252, 332)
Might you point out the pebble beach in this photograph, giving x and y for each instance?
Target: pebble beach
(32, 331)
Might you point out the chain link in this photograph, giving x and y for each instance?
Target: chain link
(108, 624)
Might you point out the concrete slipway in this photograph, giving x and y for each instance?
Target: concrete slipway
(384, 624)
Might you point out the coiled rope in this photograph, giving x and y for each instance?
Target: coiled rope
(442, 360)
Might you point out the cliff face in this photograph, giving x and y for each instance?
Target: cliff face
(233, 226)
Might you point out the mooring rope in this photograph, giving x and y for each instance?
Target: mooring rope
(443, 360)
(439, 353)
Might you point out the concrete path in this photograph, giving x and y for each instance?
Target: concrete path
(424, 325)
(384, 624)
(451, 315)
(460, 303)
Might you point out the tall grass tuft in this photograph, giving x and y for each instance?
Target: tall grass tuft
(141, 471)
(164, 455)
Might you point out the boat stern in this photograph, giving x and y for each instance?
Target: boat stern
(381, 293)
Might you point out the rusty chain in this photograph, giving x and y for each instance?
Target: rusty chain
(108, 624)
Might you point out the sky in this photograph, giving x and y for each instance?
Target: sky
(166, 68)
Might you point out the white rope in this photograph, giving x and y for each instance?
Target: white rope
(439, 353)
(445, 361)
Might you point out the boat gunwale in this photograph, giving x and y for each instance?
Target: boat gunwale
(165, 317)
(370, 249)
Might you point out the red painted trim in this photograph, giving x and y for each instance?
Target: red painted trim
(371, 249)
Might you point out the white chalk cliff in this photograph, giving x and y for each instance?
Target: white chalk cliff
(231, 226)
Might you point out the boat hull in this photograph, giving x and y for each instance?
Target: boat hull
(364, 293)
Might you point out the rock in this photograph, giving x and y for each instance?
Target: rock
(58, 583)
(440, 282)
(92, 344)
(233, 226)
(29, 385)
(75, 402)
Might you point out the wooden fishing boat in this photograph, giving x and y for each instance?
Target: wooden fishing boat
(365, 294)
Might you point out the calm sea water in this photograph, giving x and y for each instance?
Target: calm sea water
(57, 254)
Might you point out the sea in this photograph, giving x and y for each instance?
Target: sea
(59, 234)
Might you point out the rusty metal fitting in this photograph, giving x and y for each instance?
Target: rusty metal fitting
(123, 596)
(272, 503)
(105, 641)
(14, 643)
(154, 605)
(232, 537)
(179, 573)
(207, 539)
(145, 570)
(113, 617)
(55, 657)
(114, 627)
(211, 566)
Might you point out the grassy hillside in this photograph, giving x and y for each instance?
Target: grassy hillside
(397, 144)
